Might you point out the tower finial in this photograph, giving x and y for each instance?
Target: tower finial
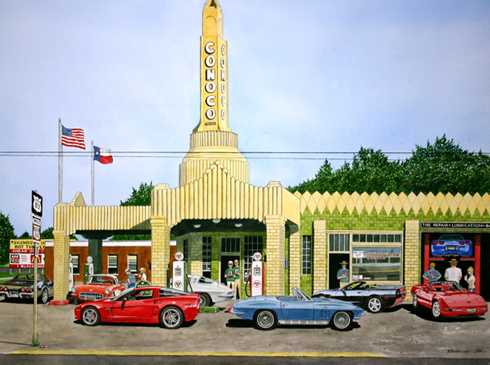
(213, 3)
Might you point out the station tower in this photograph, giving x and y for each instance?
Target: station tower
(212, 141)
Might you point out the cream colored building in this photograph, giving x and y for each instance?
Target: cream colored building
(215, 214)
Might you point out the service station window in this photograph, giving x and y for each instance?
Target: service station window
(376, 263)
(75, 261)
(112, 264)
(253, 244)
(133, 263)
(306, 255)
(206, 256)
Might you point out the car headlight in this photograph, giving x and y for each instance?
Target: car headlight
(107, 292)
(117, 292)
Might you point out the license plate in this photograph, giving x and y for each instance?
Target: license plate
(471, 310)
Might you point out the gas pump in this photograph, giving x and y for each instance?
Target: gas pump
(257, 275)
(178, 272)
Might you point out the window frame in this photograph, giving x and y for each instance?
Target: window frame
(127, 261)
(109, 267)
(76, 270)
(307, 255)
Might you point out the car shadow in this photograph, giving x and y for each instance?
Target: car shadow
(241, 323)
(425, 313)
(144, 325)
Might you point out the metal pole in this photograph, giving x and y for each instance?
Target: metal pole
(35, 335)
(92, 155)
(60, 163)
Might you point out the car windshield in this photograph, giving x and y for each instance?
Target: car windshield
(447, 286)
(298, 294)
(356, 285)
(102, 280)
(123, 293)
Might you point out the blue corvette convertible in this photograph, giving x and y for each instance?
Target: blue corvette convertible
(268, 311)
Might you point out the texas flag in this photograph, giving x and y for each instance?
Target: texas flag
(103, 156)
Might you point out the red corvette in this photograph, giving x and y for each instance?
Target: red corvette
(98, 286)
(448, 299)
(153, 305)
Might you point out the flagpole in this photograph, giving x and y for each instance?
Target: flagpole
(60, 163)
(92, 155)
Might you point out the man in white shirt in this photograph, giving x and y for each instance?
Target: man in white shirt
(453, 273)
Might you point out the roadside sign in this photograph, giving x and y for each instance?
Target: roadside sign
(37, 204)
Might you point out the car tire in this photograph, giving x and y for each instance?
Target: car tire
(265, 320)
(171, 318)
(204, 300)
(341, 321)
(436, 310)
(44, 296)
(90, 316)
(374, 304)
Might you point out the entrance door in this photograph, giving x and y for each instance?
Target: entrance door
(334, 261)
(224, 264)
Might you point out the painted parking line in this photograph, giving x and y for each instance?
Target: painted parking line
(81, 352)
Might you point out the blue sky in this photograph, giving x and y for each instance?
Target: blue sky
(304, 75)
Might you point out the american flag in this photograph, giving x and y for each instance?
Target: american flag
(73, 137)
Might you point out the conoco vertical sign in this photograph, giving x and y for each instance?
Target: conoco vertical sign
(37, 213)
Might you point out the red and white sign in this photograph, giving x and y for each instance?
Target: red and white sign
(22, 255)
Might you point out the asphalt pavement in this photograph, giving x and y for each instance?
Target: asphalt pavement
(400, 335)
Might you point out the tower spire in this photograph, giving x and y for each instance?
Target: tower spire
(214, 70)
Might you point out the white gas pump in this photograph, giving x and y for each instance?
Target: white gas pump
(256, 282)
(178, 272)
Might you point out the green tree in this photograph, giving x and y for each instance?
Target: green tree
(441, 166)
(47, 233)
(25, 235)
(140, 195)
(6, 234)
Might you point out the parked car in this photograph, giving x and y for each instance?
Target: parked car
(21, 286)
(451, 244)
(373, 297)
(448, 299)
(98, 286)
(268, 311)
(210, 291)
(150, 304)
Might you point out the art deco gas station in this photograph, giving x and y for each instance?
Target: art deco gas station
(215, 214)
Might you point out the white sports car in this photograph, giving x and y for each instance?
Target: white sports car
(210, 291)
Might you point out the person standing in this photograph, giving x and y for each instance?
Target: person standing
(236, 277)
(131, 278)
(453, 272)
(229, 275)
(470, 279)
(142, 275)
(343, 274)
(432, 275)
(70, 276)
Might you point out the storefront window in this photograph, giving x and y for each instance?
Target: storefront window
(376, 263)
(206, 256)
(230, 245)
(75, 260)
(133, 263)
(253, 244)
(306, 255)
(112, 264)
(339, 242)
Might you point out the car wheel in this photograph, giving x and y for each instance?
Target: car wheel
(374, 305)
(90, 316)
(204, 300)
(265, 320)
(45, 296)
(436, 310)
(342, 321)
(171, 318)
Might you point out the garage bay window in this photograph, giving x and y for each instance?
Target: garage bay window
(376, 263)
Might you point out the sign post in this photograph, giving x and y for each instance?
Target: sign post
(37, 213)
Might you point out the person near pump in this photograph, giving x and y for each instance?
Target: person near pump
(432, 275)
(70, 276)
(470, 279)
(236, 277)
(229, 275)
(131, 281)
(142, 278)
(453, 272)
(343, 274)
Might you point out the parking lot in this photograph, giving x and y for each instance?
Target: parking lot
(396, 333)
